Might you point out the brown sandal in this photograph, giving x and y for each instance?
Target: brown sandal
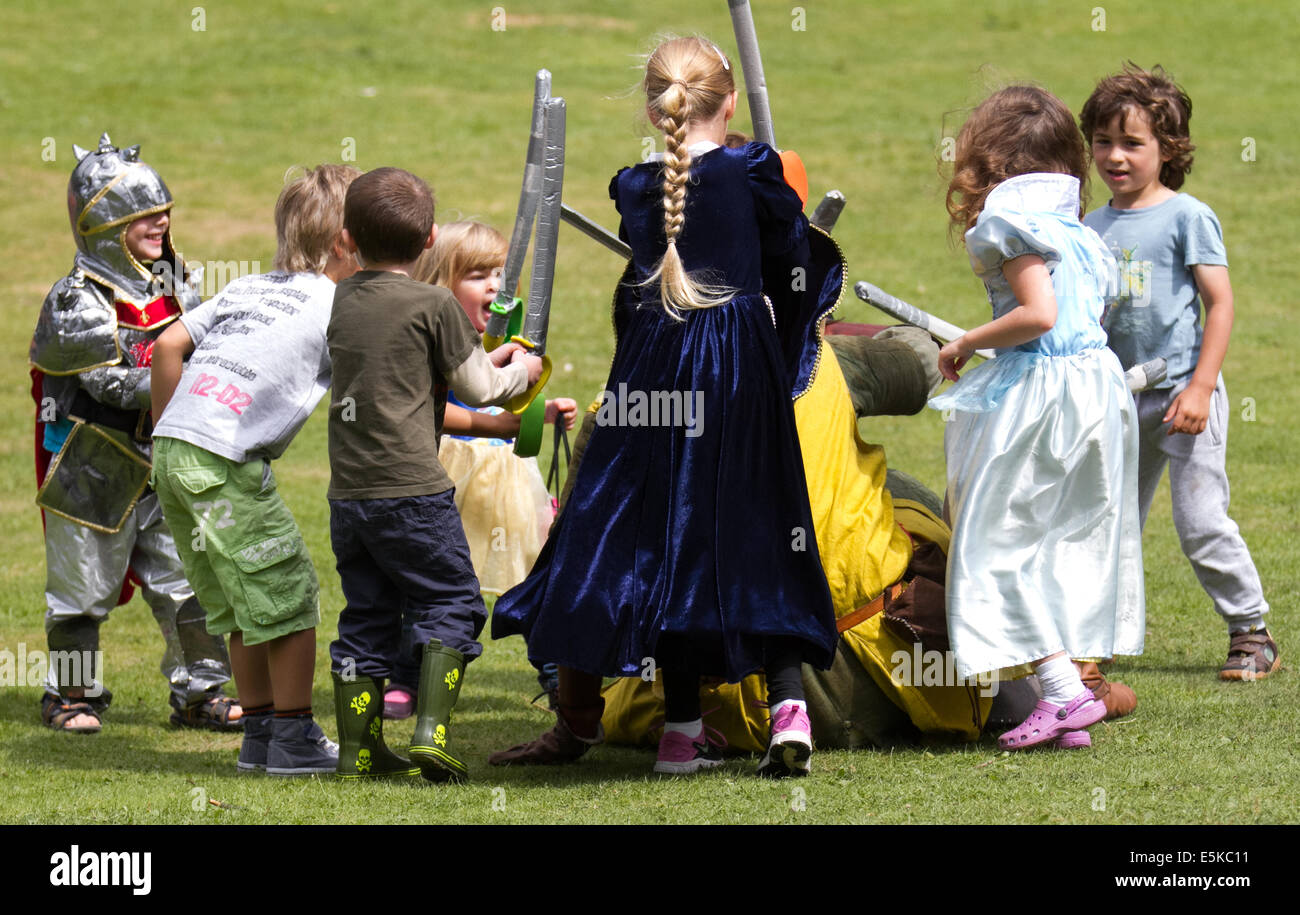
(58, 714)
(1251, 656)
(213, 714)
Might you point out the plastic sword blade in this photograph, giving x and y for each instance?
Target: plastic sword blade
(828, 211)
(910, 314)
(760, 113)
(595, 231)
(1139, 378)
(530, 193)
(537, 315)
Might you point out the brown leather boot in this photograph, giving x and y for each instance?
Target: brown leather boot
(560, 744)
(1119, 699)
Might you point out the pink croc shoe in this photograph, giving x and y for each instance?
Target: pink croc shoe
(1062, 726)
(399, 702)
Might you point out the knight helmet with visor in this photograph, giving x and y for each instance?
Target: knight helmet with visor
(109, 189)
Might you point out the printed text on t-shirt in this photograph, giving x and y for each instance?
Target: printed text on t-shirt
(230, 395)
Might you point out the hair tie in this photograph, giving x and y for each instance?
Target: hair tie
(682, 83)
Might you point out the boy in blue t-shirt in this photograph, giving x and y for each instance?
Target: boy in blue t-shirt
(1169, 247)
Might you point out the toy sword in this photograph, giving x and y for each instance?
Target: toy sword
(828, 211)
(595, 231)
(537, 314)
(498, 326)
(910, 314)
(760, 112)
(1139, 378)
(751, 63)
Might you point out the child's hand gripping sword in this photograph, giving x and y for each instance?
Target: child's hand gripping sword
(1139, 378)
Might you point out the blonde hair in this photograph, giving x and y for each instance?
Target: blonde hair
(686, 79)
(459, 250)
(309, 216)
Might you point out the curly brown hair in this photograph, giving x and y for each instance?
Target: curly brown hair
(1016, 131)
(1167, 107)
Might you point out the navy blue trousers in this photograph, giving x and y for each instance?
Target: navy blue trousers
(407, 578)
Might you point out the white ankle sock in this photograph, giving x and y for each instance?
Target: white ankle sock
(689, 728)
(1060, 680)
(800, 704)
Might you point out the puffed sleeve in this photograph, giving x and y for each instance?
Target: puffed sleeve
(613, 188)
(782, 225)
(1002, 235)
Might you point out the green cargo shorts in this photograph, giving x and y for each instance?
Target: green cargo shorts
(243, 553)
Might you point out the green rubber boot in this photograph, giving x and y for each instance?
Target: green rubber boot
(358, 704)
(441, 674)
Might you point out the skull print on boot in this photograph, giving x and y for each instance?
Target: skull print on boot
(358, 704)
(440, 678)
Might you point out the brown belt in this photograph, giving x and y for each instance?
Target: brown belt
(867, 611)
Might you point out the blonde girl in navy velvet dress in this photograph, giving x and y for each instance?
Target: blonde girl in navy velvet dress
(688, 538)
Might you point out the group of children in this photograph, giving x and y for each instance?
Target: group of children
(674, 544)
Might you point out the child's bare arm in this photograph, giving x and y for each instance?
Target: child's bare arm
(1191, 408)
(459, 421)
(1031, 283)
(169, 352)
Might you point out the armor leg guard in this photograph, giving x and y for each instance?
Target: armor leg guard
(73, 661)
(195, 663)
(84, 569)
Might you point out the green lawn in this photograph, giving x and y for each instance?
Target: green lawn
(866, 91)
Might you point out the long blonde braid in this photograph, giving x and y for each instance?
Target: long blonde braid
(686, 78)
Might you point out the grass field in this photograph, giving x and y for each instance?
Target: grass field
(225, 97)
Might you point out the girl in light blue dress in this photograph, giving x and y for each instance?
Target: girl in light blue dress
(1046, 562)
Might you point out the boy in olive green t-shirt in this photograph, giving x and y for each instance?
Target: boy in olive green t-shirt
(396, 346)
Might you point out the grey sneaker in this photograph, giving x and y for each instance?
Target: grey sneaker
(257, 736)
(299, 747)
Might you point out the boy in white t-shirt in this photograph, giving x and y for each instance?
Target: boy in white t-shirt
(258, 365)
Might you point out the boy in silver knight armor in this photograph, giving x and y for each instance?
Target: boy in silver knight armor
(104, 530)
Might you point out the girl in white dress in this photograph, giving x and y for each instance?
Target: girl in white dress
(1046, 560)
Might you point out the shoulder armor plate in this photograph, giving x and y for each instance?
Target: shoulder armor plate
(77, 328)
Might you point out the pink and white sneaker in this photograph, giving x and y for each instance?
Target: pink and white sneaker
(682, 755)
(789, 752)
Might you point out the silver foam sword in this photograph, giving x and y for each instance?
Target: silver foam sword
(529, 194)
(1139, 378)
(828, 211)
(751, 63)
(537, 314)
(595, 231)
